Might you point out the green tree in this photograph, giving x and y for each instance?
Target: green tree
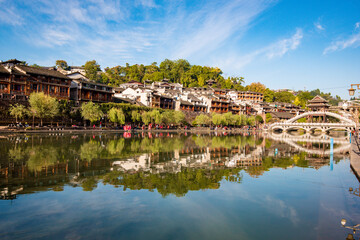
(116, 115)
(217, 119)
(91, 112)
(269, 95)
(61, 64)
(91, 70)
(203, 119)
(18, 111)
(179, 117)
(43, 106)
(251, 121)
(286, 97)
(256, 87)
(146, 118)
(156, 116)
(228, 119)
(259, 119)
(167, 117)
(135, 116)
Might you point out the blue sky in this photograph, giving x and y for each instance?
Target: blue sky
(282, 44)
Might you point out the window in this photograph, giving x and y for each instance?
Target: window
(63, 90)
(3, 87)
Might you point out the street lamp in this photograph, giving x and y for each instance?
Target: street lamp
(352, 90)
(354, 228)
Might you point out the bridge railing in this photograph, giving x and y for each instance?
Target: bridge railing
(313, 124)
(335, 115)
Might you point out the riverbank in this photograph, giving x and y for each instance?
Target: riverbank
(109, 130)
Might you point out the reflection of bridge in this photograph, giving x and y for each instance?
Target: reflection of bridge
(292, 124)
(292, 140)
(307, 137)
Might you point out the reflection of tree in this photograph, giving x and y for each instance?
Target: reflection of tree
(161, 144)
(232, 141)
(89, 184)
(90, 150)
(298, 160)
(173, 183)
(115, 146)
(268, 143)
(18, 153)
(201, 141)
(41, 156)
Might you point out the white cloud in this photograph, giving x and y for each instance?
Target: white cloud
(112, 32)
(9, 15)
(147, 3)
(351, 41)
(319, 26)
(283, 46)
(271, 51)
(214, 25)
(55, 37)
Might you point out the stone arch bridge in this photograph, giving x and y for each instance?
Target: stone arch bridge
(292, 124)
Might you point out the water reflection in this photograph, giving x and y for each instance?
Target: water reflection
(166, 162)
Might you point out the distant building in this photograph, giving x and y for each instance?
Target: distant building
(18, 81)
(160, 101)
(72, 69)
(318, 104)
(219, 104)
(132, 84)
(140, 95)
(82, 89)
(188, 102)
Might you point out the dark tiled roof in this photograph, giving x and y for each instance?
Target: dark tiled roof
(13, 71)
(125, 100)
(14, 61)
(134, 82)
(92, 83)
(3, 69)
(318, 99)
(41, 71)
(193, 98)
(186, 102)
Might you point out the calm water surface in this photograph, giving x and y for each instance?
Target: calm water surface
(174, 186)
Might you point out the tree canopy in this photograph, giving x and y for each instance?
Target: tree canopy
(91, 70)
(116, 115)
(61, 64)
(43, 106)
(91, 112)
(18, 111)
(176, 71)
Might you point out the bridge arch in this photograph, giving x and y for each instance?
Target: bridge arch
(292, 124)
(331, 114)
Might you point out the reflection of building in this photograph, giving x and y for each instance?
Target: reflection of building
(9, 194)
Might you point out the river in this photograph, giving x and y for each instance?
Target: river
(175, 186)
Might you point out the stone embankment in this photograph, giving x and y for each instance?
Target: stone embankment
(355, 157)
